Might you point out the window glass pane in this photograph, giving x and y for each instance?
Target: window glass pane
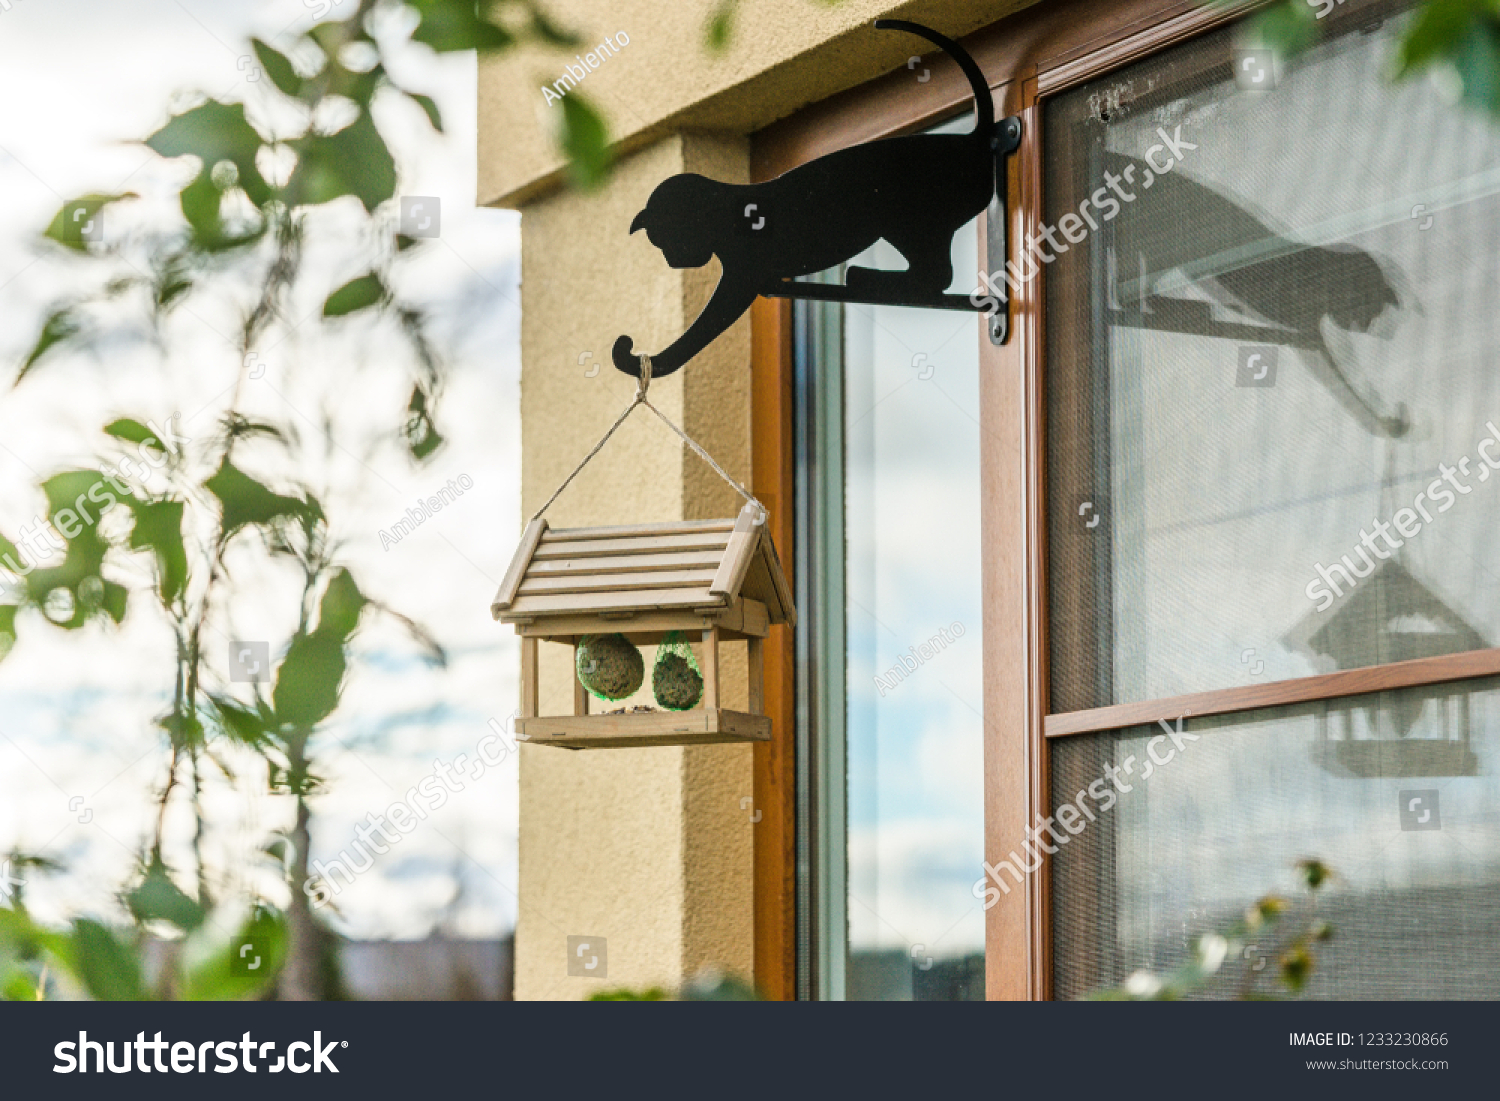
(904, 586)
(915, 718)
(1273, 404)
(1399, 793)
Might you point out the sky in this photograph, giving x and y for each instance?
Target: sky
(80, 759)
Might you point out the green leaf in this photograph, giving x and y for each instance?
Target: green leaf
(18, 986)
(85, 493)
(61, 326)
(67, 225)
(106, 967)
(1296, 967)
(18, 932)
(239, 427)
(360, 87)
(1314, 873)
(158, 526)
(422, 436)
(548, 32)
(133, 431)
(721, 25)
(585, 142)
(1437, 31)
(215, 132)
(429, 105)
(448, 25)
(113, 600)
(278, 68)
(357, 294)
(201, 201)
(226, 974)
(78, 576)
(202, 204)
(650, 994)
(1289, 27)
(67, 489)
(308, 680)
(246, 501)
(1477, 63)
(715, 985)
(340, 608)
(183, 729)
(157, 898)
(355, 161)
(311, 675)
(243, 724)
(7, 628)
(171, 283)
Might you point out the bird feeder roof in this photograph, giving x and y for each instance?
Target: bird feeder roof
(689, 567)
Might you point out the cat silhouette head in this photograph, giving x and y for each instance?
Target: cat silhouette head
(1357, 289)
(676, 216)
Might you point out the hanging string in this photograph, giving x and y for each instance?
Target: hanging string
(642, 386)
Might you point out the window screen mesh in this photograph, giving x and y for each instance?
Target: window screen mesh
(1415, 907)
(1271, 380)
(1273, 415)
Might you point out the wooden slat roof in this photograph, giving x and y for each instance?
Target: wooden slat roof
(686, 566)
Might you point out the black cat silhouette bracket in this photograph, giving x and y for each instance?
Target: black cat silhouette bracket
(916, 192)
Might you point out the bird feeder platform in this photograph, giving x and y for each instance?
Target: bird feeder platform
(708, 580)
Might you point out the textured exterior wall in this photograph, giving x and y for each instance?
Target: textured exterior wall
(647, 848)
(783, 55)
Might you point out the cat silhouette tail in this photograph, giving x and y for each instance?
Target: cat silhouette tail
(984, 104)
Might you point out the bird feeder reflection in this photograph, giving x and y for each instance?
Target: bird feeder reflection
(1414, 732)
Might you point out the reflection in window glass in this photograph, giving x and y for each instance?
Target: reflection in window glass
(1271, 380)
(915, 712)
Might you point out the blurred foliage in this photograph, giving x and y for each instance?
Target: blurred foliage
(1261, 931)
(201, 958)
(245, 210)
(1458, 41)
(712, 984)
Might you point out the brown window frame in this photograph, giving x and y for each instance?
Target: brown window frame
(1037, 53)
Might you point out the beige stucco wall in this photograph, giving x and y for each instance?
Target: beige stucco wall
(783, 55)
(647, 848)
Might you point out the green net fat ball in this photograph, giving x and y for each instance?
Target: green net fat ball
(675, 683)
(610, 666)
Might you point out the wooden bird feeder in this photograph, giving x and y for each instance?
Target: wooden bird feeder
(710, 580)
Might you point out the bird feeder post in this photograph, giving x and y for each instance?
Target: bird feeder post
(529, 678)
(757, 671)
(580, 693)
(711, 668)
